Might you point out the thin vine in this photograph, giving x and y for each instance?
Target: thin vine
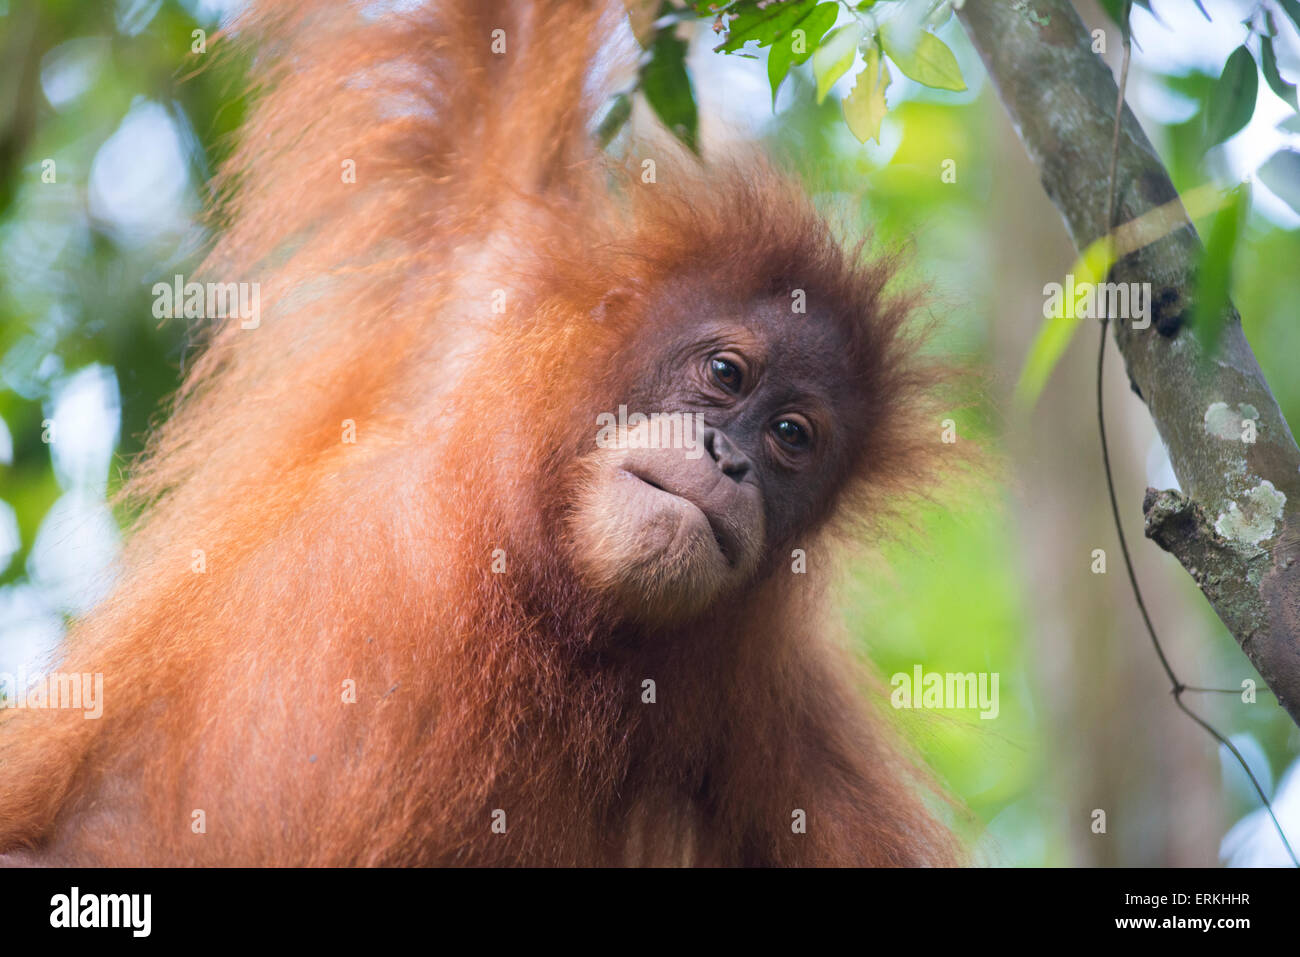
(1177, 687)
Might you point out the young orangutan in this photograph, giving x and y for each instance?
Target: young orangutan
(398, 594)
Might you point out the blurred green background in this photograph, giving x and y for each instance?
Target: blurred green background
(995, 578)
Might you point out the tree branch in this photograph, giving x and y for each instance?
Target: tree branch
(1236, 524)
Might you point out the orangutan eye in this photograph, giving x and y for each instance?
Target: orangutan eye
(791, 433)
(726, 373)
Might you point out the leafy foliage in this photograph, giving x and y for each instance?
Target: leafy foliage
(1214, 277)
(835, 57)
(798, 45)
(667, 87)
(1281, 174)
(927, 61)
(793, 32)
(1292, 9)
(85, 301)
(763, 24)
(1268, 62)
(864, 107)
(1232, 102)
(1055, 333)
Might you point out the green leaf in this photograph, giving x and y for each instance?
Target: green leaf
(1281, 174)
(667, 87)
(764, 25)
(1292, 9)
(1290, 125)
(1214, 277)
(1055, 333)
(1268, 62)
(864, 107)
(1232, 100)
(807, 34)
(615, 116)
(928, 61)
(834, 57)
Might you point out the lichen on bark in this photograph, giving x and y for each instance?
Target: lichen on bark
(1235, 523)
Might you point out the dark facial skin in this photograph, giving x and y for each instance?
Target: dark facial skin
(667, 532)
(773, 387)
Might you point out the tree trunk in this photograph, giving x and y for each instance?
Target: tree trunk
(1235, 525)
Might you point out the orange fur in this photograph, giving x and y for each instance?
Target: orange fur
(372, 561)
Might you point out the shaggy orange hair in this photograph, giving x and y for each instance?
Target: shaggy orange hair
(371, 561)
